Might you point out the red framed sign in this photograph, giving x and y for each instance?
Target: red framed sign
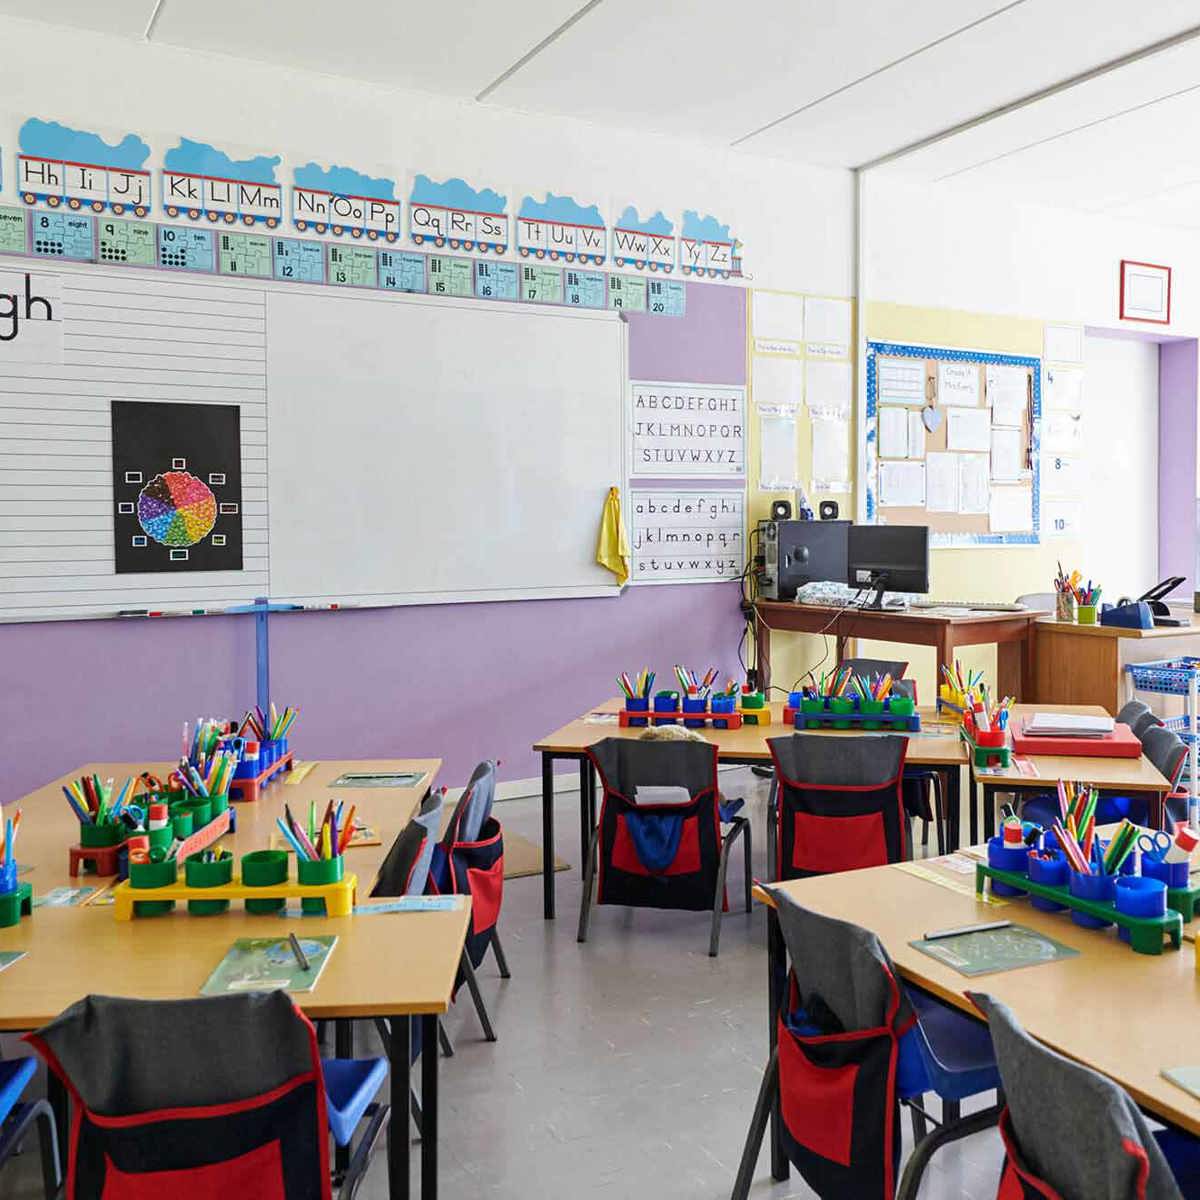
(1145, 292)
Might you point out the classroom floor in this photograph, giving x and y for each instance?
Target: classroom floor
(626, 1068)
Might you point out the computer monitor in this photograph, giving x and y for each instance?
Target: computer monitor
(892, 558)
(811, 552)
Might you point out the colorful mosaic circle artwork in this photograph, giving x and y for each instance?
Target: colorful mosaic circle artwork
(177, 509)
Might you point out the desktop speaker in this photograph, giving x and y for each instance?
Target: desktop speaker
(781, 510)
(829, 510)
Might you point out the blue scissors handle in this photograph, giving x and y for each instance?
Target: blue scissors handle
(1154, 844)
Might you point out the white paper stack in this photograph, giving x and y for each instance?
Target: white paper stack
(1067, 725)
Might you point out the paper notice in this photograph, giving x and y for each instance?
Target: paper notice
(958, 384)
(969, 429)
(941, 482)
(902, 484)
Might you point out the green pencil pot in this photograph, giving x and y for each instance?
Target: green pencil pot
(901, 706)
(1085, 614)
(219, 804)
(812, 707)
(161, 839)
(321, 870)
(841, 704)
(870, 708)
(152, 875)
(182, 824)
(95, 836)
(11, 904)
(264, 868)
(201, 874)
(201, 809)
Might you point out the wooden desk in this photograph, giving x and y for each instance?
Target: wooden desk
(1112, 774)
(1085, 664)
(391, 966)
(942, 751)
(944, 630)
(1078, 1006)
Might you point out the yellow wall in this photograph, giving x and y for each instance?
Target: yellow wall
(978, 573)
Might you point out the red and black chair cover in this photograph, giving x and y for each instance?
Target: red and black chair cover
(843, 1015)
(205, 1099)
(1071, 1134)
(840, 803)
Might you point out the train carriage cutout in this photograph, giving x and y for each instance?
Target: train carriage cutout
(706, 247)
(560, 228)
(63, 167)
(454, 214)
(646, 244)
(202, 183)
(342, 201)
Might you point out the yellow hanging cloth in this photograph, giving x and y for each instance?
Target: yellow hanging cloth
(612, 547)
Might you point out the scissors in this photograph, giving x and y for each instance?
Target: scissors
(1155, 844)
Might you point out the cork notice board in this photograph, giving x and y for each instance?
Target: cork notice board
(953, 443)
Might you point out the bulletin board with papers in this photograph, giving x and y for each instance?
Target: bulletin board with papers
(953, 442)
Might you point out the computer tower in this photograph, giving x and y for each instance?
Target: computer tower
(793, 553)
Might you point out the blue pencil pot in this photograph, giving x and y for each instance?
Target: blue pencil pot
(1091, 887)
(8, 876)
(666, 702)
(723, 704)
(637, 704)
(1007, 858)
(1128, 867)
(1140, 897)
(1053, 871)
(795, 699)
(694, 704)
(283, 746)
(1174, 875)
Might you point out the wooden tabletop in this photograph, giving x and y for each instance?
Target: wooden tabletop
(934, 616)
(1049, 625)
(936, 745)
(1134, 774)
(383, 965)
(1116, 1011)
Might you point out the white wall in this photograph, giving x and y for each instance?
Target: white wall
(795, 221)
(1119, 515)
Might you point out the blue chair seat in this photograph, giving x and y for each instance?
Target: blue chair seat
(1042, 809)
(730, 809)
(350, 1085)
(1183, 1157)
(15, 1073)
(945, 1052)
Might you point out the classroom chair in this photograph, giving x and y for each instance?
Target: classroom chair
(662, 855)
(1131, 712)
(1045, 601)
(17, 1117)
(1071, 1134)
(851, 1045)
(250, 1061)
(838, 804)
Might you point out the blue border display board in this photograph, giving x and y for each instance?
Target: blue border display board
(943, 538)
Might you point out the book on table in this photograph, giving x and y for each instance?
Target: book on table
(1068, 725)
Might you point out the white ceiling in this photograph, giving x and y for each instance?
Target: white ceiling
(820, 81)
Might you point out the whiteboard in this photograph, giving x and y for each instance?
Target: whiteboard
(423, 450)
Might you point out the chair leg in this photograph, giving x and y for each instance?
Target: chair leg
(22, 1118)
(914, 1169)
(415, 1107)
(920, 1126)
(758, 1128)
(749, 881)
(385, 1033)
(714, 937)
(444, 1041)
(361, 1159)
(939, 811)
(951, 1111)
(585, 903)
(924, 835)
(498, 951)
(480, 1008)
(772, 822)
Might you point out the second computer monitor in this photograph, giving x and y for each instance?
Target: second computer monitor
(892, 558)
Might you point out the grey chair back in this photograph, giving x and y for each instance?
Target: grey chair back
(883, 666)
(1166, 751)
(1131, 711)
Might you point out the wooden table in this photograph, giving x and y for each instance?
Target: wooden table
(396, 966)
(1113, 774)
(1079, 1006)
(1085, 664)
(945, 630)
(942, 752)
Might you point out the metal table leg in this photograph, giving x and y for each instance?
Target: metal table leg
(429, 1109)
(397, 1135)
(548, 836)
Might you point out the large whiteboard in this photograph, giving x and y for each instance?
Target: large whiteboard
(423, 449)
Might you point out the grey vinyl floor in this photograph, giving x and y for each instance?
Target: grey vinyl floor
(626, 1067)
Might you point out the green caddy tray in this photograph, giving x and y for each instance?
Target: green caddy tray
(1145, 933)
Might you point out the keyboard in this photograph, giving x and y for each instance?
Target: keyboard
(975, 605)
(838, 595)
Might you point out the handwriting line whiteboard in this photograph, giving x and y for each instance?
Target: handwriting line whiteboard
(424, 450)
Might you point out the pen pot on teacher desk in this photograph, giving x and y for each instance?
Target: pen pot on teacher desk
(1064, 607)
(201, 874)
(316, 871)
(1086, 614)
(264, 868)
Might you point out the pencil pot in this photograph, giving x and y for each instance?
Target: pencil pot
(1052, 870)
(250, 764)
(841, 705)
(1007, 858)
(752, 700)
(994, 739)
(720, 704)
(8, 876)
(182, 823)
(264, 868)
(1174, 875)
(200, 808)
(201, 874)
(282, 743)
(161, 839)
(95, 836)
(1140, 897)
(795, 700)
(666, 702)
(152, 875)
(900, 706)
(10, 897)
(1091, 887)
(320, 870)
(1064, 607)
(694, 704)
(219, 804)
(1128, 867)
(637, 704)
(872, 708)
(1086, 614)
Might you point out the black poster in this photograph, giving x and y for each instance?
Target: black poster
(177, 483)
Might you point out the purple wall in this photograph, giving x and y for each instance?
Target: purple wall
(1177, 447)
(461, 682)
